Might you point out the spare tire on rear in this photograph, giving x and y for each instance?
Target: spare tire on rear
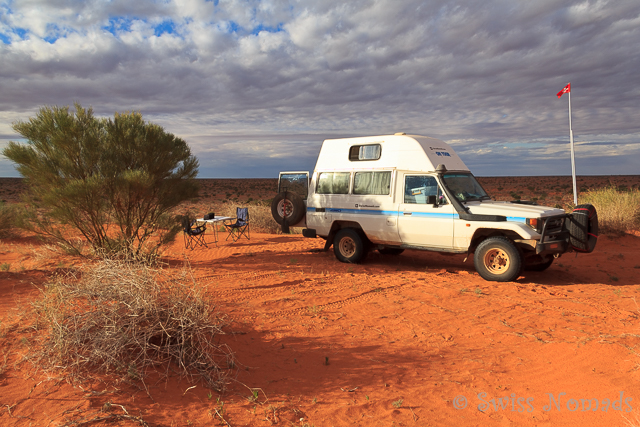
(583, 228)
(287, 205)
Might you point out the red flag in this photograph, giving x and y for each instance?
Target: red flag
(566, 89)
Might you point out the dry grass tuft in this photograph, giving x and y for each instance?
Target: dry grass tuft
(618, 211)
(4, 362)
(116, 317)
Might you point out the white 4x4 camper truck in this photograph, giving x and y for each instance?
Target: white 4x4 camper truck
(396, 192)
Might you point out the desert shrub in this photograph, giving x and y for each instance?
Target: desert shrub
(117, 318)
(263, 219)
(7, 218)
(93, 174)
(618, 211)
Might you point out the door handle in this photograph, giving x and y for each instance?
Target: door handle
(407, 213)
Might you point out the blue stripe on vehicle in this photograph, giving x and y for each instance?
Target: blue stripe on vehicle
(362, 211)
(391, 213)
(435, 215)
(517, 219)
(414, 214)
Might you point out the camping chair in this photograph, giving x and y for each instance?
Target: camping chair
(193, 234)
(240, 227)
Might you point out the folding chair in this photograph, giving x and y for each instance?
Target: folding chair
(193, 234)
(240, 227)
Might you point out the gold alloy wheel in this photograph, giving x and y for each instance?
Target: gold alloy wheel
(497, 261)
(347, 247)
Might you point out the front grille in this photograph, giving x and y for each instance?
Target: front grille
(552, 228)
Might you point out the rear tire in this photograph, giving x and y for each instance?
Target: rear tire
(290, 207)
(583, 228)
(497, 259)
(349, 246)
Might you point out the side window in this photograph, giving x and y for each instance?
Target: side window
(365, 152)
(333, 183)
(377, 183)
(418, 187)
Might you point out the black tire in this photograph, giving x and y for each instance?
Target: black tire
(538, 263)
(583, 228)
(497, 259)
(292, 207)
(349, 246)
(390, 251)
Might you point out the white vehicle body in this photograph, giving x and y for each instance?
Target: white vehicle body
(400, 191)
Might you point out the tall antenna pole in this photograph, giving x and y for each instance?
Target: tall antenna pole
(573, 158)
(567, 89)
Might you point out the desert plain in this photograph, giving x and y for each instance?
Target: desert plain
(417, 339)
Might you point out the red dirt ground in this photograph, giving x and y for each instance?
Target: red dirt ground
(412, 340)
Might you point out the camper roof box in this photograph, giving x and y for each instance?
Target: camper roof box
(399, 151)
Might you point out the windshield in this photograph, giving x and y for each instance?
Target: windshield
(465, 187)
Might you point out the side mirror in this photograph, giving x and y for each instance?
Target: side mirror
(432, 200)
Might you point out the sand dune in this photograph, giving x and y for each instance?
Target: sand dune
(412, 340)
(396, 340)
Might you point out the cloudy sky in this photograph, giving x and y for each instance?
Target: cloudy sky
(254, 86)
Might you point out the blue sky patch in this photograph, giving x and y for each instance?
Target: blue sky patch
(267, 28)
(233, 26)
(21, 32)
(166, 27)
(119, 24)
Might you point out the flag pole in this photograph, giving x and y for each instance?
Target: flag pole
(573, 158)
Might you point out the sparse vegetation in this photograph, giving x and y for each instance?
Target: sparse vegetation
(117, 318)
(314, 310)
(618, 211)
(382, 291)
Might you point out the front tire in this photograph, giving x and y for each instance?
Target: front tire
(497, 259)
(348, 246)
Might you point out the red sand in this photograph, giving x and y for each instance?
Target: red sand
(396, 341)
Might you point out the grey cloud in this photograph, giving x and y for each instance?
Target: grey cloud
(474, 72)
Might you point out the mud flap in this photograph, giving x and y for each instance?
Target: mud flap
(329, 241)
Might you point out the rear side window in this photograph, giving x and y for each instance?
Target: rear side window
(333, 183)
(365, 152)
(377, 183)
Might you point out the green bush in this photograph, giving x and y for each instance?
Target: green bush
(93, 174)
(618, 211)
